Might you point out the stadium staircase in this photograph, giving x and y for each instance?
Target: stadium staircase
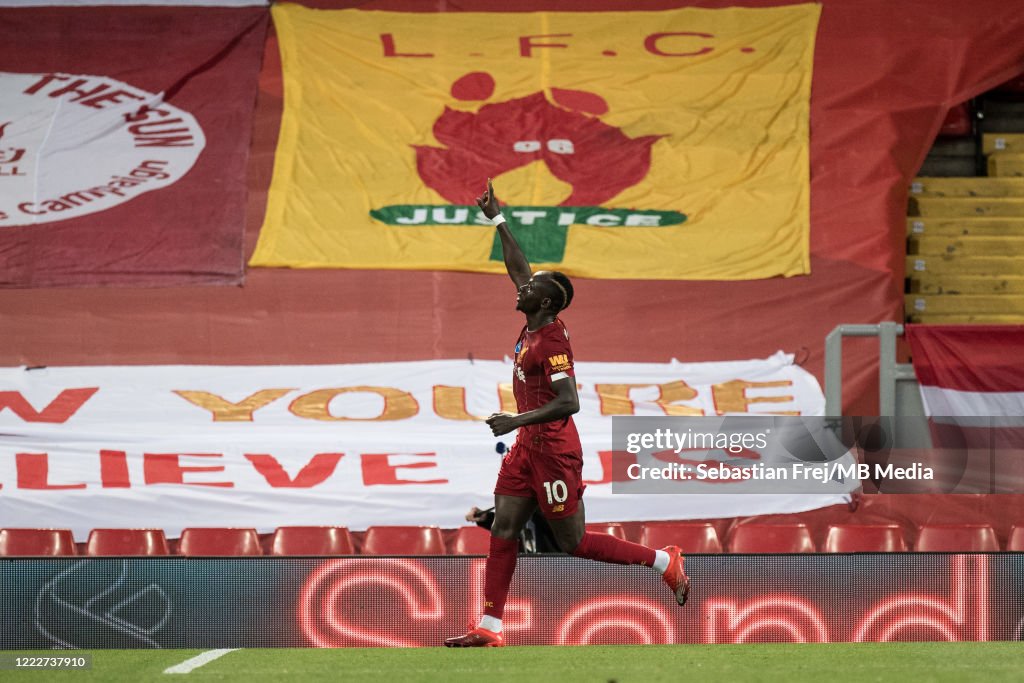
(965, 235)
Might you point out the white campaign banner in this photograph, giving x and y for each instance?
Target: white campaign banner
(354, 445)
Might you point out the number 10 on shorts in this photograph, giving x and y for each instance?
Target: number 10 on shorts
(556, 490)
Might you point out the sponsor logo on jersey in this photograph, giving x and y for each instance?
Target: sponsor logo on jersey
(560, 362)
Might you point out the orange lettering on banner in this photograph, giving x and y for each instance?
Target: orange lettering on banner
(224, 410)
(315, 472)
(615, 398)
(378, 470)
(59, 410)
(398, 404)
(731, 397)
(166, 468)
(34, 473)
(450, 403)
(114, 470)
(507, 398)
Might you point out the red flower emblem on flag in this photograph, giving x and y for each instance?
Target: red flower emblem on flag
(598, 160)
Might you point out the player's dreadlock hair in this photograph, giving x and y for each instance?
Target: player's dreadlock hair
(564, 288)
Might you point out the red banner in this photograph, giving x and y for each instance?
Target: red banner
(972, 383)
(124, 136)
(878, 96)
(969, 358)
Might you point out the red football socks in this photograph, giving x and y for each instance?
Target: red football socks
(501, 563)
(605, 548)
(503, 552)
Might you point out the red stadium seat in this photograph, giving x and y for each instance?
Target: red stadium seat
(865, 538)
(953, 538)
(219, 542)
(611, 528)
(1015, 544)
(127, 542)
(957, 123)
(403, 540)
(471, 540)
(770, 538)
(312, 540)
(691, 537)
(27, 542)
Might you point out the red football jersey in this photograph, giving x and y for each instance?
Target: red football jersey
(544, 356)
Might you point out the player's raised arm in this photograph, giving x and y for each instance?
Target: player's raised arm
(515, 261)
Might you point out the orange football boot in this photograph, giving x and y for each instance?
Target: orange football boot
(675, 576)
(477, 637)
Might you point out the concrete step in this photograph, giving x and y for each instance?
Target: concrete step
(965, 304)
(1006, 165)
(1004, 124)
(967, 187)
(964, 265)
(1002, 142)
(946, 245)
(997, 108)
(931, 283)
(966, 225)
(954, 147)
(948, 167)
(967, 206)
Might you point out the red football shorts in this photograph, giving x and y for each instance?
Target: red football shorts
(554, 479)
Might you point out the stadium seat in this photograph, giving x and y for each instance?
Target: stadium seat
(957, 122)
(770, 538)
(27, 542)
(865, 538)
(127, 542)
(1015, 543)
(219, 542)
(611, 528)
(312, 540)
(691, 537)
(471, 540)
(952, 538)
(403, 540)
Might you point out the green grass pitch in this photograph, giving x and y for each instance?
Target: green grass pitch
(787, 663)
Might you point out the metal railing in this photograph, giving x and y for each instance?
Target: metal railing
(898, 392)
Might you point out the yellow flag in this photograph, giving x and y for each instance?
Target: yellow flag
(643, 145)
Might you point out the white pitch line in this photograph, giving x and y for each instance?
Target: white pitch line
(199, 660)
